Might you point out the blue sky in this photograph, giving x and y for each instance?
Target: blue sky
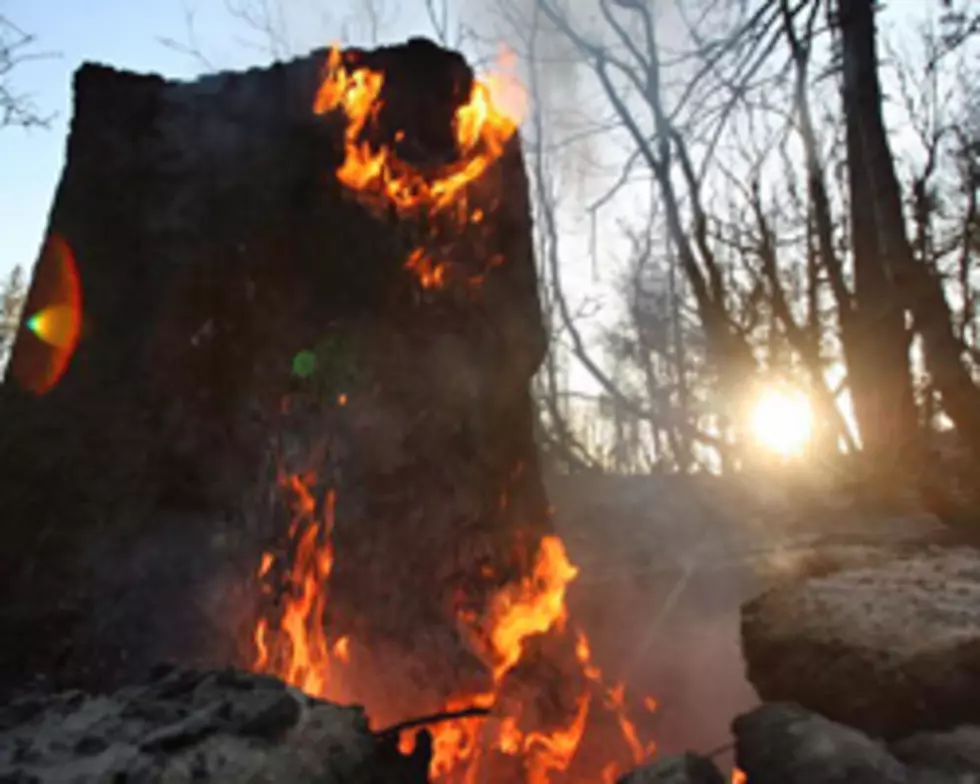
(126, 34)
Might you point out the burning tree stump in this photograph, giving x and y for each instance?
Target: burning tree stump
(215, 245)
(296, 434)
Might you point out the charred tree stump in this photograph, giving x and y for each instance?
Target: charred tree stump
(214, 242)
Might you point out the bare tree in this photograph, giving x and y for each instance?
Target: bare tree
(16, 47)
(836, 297)
(875, 343)
(920, 290)
(267, 27)
(630, 71)
(12, 295)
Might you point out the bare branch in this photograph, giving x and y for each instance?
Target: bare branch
(17, 109)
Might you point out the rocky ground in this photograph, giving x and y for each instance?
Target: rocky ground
(781, 743)
(860, 634)
(828, 645)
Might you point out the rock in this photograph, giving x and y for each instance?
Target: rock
(891, 648)
(194, 726)
(820, 554)
(214, 244)
(956, 752)
(785, 744)
(678, 769)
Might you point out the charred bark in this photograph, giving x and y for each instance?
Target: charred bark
(214, 243)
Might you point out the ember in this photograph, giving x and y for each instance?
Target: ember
(294, 642)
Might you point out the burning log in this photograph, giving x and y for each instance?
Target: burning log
(215, 246)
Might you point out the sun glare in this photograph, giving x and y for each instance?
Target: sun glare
(782, 422)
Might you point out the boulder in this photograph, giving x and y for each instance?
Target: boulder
(185, 725)
(891, 648)
(783, 743)
(956, 751)
(214, 245)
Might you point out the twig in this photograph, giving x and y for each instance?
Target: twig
(434, 718)
(718, 751)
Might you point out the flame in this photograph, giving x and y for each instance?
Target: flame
(530, 607)
(615, 702)
(482, 127)
(518, 612)
(431, 274)
(298, 650)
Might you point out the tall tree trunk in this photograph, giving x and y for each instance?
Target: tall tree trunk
(878, 368)
(918, 288)
(681, 444)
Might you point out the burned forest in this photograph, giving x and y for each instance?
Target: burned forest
(514, 393)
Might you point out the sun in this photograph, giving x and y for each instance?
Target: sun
(782, 422)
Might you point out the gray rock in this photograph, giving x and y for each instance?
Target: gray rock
(782, 743)
(678, 769)
(956, 752)
(891, 648)
(192, 726)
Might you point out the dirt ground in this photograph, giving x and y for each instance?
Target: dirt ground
(665, 564)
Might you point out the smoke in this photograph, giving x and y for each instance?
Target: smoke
(548, 63)
(659, 595)
(584, 146)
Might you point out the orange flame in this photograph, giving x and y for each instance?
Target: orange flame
(299, 651)
(615, 702)
(533, 606)
(482, 127)
(517, 612)
(530, 607)
(431, 274)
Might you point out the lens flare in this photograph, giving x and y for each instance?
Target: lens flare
(52, 329)
(56, 325)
